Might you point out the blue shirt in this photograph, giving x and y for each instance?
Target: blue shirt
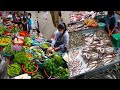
(108, 20)
(30, 23)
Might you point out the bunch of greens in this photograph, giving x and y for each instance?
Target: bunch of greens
(30, 66)
(54, 67)
(8, 49)
(2, 29)
(15, 29)
(38, 54)
(14, 70)
(37, 75)
(20, 57)
(45, 45)
(28, 41)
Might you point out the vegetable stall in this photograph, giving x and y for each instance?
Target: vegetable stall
(27, 57)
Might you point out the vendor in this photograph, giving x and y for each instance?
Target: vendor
(61, 39)
(111, 23)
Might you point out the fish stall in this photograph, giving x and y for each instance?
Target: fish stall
(93, 52)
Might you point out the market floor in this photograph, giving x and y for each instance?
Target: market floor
(47, 27)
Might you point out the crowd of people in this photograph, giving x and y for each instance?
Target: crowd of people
(24, 22)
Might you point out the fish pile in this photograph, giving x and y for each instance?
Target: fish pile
(76, 40)
(77, 27)
(96, 51)
(75, 67)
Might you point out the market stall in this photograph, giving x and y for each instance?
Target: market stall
(90, 48)
(27, 55)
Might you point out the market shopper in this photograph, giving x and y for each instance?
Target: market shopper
(111, 23)
(61, 39)
(10, 16)
(30, 22)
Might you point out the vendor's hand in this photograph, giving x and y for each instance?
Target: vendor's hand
(56, 49)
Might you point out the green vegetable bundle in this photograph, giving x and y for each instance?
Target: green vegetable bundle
(15, 29)
(20, 57)
(8, 49)
(14, 70)
(28, 41)
(44, 46)
(54, 67)
(37, 75)
(30, 66)
(38, 54)
(2, 29)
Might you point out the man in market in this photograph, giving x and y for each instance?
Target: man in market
(111, 23)
(61, 39)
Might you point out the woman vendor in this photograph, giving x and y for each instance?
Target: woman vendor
(61, 39)
(111, 23)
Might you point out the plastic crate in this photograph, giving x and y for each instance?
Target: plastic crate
(116, 40)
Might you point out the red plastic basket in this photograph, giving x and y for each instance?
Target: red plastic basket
(30, 72)
(23, 33)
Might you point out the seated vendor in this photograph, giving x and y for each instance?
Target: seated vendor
(111, 23)
(61, 39)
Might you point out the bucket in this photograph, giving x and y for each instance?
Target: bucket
(101, 26)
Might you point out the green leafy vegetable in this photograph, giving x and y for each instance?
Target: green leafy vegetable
(54, 67)
(37, 75)
(30, 66)
(28, 41)
(45, 45)
(20, 57)
(14, 70)
(2, 29)
(15, 29)
(8, 49)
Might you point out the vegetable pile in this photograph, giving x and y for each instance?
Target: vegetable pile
(37, 75)
(14, 70)
(54, 67)
(20, 57)
(16, 48)
(38, 54)
(5, 41)
(15, 30)
(28, 41)
(30, 66)
(45, 45)
(29, 55)
(8, 49)
(2, 29)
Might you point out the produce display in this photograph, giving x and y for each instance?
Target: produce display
(38, 54)
(8, 49)
(20, 57)
(37, 75)
(2, 29)
(28, 41)
(18, 41)
(30, 66)
(14, 70)
(45, 45)
(91, 22)
(5, 40)
(29, 55)
(14, 29)
(55, 67)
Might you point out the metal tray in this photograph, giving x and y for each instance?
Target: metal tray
(101, 68)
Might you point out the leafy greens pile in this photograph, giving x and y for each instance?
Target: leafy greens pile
(54, 67)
